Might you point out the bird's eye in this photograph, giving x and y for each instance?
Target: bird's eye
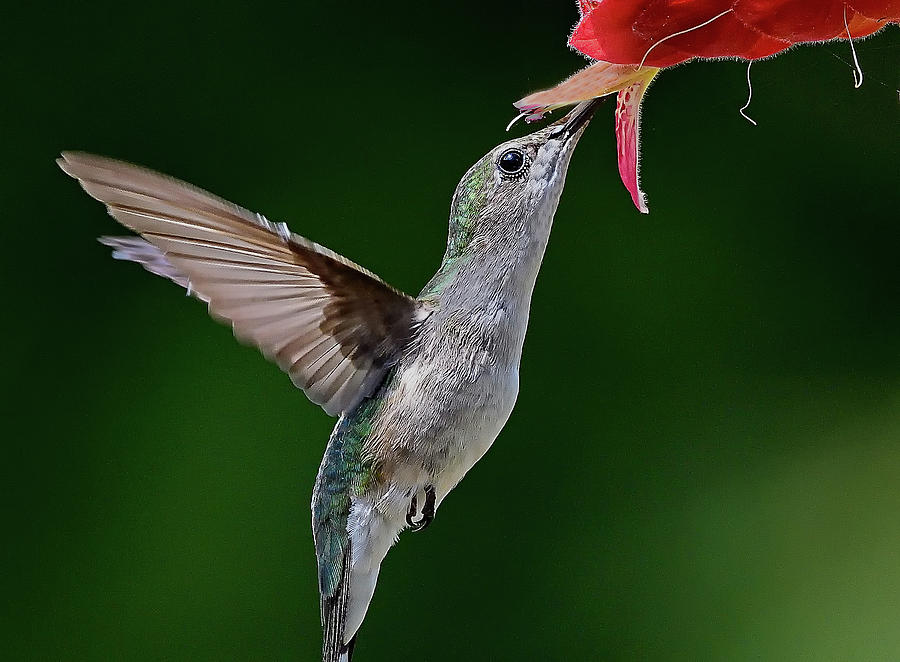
(512, 162)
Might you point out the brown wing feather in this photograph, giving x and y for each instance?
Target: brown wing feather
(334, 327)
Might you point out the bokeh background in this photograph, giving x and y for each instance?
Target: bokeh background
(704, 463)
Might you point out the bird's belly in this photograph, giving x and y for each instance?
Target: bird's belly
(441, 416)
(472, 442)
(435, 428)
(473, 427)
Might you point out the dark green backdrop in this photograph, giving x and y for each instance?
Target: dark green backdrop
(704, 463)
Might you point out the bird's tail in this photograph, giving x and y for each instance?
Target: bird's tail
(334, 617)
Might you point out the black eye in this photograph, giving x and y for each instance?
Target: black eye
(512, 162)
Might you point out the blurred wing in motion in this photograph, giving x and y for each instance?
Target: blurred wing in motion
(334, 327)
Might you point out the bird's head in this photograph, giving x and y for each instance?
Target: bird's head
(516, 186)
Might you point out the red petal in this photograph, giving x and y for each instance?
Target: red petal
(884, 11)
(597, 80)
(647, 31)
(629, 33)
(861, 26)
(628, 107)
(725, 36)
(585, 6)
(607, 33)
(793, 20)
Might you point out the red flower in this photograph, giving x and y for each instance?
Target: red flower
(661, 33)
(633, 39)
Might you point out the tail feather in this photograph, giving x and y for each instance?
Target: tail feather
(349, 650)
(334, 616)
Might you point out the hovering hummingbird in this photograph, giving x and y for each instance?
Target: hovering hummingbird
(422, 386)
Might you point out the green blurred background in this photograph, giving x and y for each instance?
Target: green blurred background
(704, 463)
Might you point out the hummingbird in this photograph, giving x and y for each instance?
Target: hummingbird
(421, 385)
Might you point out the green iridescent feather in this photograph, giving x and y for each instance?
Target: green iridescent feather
(344, 473)
(467, 204)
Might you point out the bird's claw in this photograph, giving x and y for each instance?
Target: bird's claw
(427, 511)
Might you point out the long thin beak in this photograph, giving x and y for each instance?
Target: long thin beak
(576, 120)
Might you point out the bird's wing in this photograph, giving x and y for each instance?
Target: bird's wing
(334, 327)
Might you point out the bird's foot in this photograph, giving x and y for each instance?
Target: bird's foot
(427, 510)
